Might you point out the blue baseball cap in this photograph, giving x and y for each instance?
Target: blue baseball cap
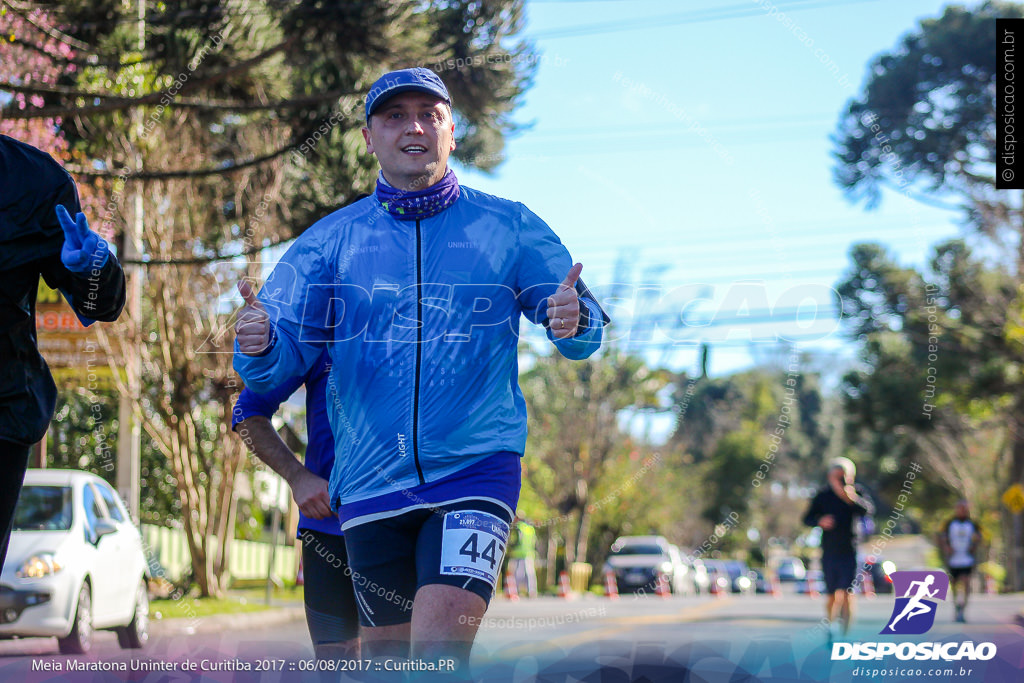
(415, 79)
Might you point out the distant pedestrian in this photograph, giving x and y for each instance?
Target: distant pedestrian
(959, 541)
(834, 509)
(43, 233)
(523, 556)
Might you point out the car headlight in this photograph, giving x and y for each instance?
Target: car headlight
(665, 567)
(38, 566)
(744, 582)
(888, 567)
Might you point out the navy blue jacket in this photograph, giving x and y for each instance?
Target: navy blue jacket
(32, 184)
(319, 458)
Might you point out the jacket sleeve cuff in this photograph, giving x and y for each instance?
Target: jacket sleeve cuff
(257, 371)
(585, 343)
(271, 344)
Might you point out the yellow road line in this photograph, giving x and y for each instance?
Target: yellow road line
(617, 625)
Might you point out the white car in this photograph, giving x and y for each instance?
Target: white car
(75, 564)
(638, 562)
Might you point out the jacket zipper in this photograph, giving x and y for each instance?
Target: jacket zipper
(419, 352)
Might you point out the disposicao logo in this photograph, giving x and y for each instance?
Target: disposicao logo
(914, 613)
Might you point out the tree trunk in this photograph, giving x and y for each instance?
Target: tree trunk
(583, 534)
(571, 536)
(551, 577)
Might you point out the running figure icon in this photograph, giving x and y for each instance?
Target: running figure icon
(918, 595)
(915, 606)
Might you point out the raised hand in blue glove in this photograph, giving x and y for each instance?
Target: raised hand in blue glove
(83, 249)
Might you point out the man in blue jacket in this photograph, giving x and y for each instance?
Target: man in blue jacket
(40, 238)
(329, 600)
(418, 291)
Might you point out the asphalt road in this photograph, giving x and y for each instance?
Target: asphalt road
(694, 639)
(730, 639)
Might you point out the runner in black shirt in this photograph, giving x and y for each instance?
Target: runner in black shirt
(834, 509)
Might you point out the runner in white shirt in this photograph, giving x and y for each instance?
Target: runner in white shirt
(960, 539)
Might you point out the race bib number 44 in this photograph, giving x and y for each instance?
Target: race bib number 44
(472, 545)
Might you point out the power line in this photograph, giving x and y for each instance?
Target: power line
(223, 168)
(768, 276)
(726, 251)
(580, 2)
(236, 105)
(693, 17)
(661, 146)
(149, 98)
(48, 31)
(754, 233)
(751, 123)
(191, 19)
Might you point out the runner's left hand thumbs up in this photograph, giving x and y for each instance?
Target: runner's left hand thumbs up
(564, 306)
(252, 329)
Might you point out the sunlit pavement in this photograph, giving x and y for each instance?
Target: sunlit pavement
(692, 639)
(730, 638)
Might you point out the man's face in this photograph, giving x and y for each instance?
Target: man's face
(837, 477)
(962, 510)
(412, 135)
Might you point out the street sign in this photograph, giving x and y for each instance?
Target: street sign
(1013, 498)
(70, 348)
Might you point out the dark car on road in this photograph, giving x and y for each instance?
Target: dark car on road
(731, 575)
(790, 569)
(761, 582)
(879, 571)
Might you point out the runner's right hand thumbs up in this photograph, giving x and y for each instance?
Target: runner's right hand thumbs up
(252, 329)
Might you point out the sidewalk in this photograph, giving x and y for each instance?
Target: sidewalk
(279, 612)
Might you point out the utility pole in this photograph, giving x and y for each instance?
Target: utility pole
(129, 438)
(39, 452)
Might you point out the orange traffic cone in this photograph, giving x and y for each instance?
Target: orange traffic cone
(511, 589)
(611, 586)
(869, 585)
(776, 587)
(564, 588)
(661, 588)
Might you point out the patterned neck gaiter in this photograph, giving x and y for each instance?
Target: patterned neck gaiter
(410, 205)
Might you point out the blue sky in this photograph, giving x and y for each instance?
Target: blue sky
(690, 141)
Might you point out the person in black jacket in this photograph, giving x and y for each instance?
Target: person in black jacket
(39, 237)
(834, 509)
